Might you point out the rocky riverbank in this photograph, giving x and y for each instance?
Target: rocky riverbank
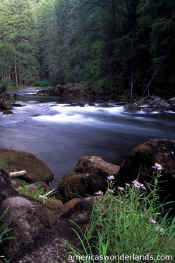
(6, 102)
(80, 94)
(40, 229)
(151, 104)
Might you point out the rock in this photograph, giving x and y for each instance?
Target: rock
(79, 92)
(172, 103)
(6, 188)
(131, 107)
(75, 92)
(149, 104)
(25, 217)
(70, 204)
(36, 169)
(88, 176)
(78, 211)
(53, 204)
(140, 164)
(5, 101)
(17, 182)
(172, 100)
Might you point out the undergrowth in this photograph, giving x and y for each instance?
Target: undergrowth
(127, 227)
(26, 190)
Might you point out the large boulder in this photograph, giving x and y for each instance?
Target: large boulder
(5, 101)
(25, 217)
(88, 176)
(36, 169)
(141, 164)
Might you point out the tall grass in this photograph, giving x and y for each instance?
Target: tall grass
(128, 226)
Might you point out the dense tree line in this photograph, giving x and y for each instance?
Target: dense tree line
(116, 46)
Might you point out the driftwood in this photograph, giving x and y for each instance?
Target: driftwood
(48, 194)
(18, 173)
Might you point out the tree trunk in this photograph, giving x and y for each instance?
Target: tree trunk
(16, 74)
(147, 89)
(114, 25)
(131, 84)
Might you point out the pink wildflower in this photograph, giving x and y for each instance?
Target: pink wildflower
(157, 166)
(128, 185)
(111, 177)
(121, 188)
(110, 190)
(99, 193)
(138, 185)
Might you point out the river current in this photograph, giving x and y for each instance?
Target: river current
(59, 133)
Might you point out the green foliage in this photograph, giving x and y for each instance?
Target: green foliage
(128, 224)
(26, 190)
(4, 230)
(18, 50)
(4, 234)
(127, 42)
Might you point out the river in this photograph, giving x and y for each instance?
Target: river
(59, 134)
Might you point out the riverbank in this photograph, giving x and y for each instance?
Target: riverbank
(114, 197)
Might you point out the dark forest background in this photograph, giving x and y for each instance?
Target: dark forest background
(120, 47)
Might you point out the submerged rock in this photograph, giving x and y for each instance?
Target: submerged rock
(36, 169)
(88, 176)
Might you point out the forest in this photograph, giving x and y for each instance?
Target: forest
(116, 47)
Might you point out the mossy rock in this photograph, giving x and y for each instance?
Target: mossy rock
(88, 176)
(36, 169)
(140, 165)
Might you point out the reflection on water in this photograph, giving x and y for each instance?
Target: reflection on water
(60, 134)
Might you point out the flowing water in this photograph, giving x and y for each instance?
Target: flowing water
(59, 134)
